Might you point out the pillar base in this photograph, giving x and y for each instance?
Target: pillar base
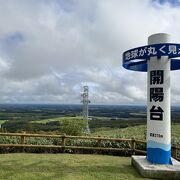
(146, 169)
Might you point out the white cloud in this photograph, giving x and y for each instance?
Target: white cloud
(50, 49)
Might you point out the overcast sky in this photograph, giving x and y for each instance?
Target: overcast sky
(49, 49)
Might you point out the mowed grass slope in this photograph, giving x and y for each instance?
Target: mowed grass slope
(65, 167)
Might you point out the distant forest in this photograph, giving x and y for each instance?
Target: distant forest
(33, 117)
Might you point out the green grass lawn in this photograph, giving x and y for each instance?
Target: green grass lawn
(60, 119)
(66, 167)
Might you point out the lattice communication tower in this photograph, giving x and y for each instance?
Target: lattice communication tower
(86, 101)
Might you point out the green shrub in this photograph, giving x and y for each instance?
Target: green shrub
(73, 126)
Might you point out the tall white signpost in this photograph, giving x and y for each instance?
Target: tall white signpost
(156, 60)
(158, 105)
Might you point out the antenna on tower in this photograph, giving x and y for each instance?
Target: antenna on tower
(85, 102)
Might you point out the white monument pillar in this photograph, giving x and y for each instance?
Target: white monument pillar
(158, 104)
